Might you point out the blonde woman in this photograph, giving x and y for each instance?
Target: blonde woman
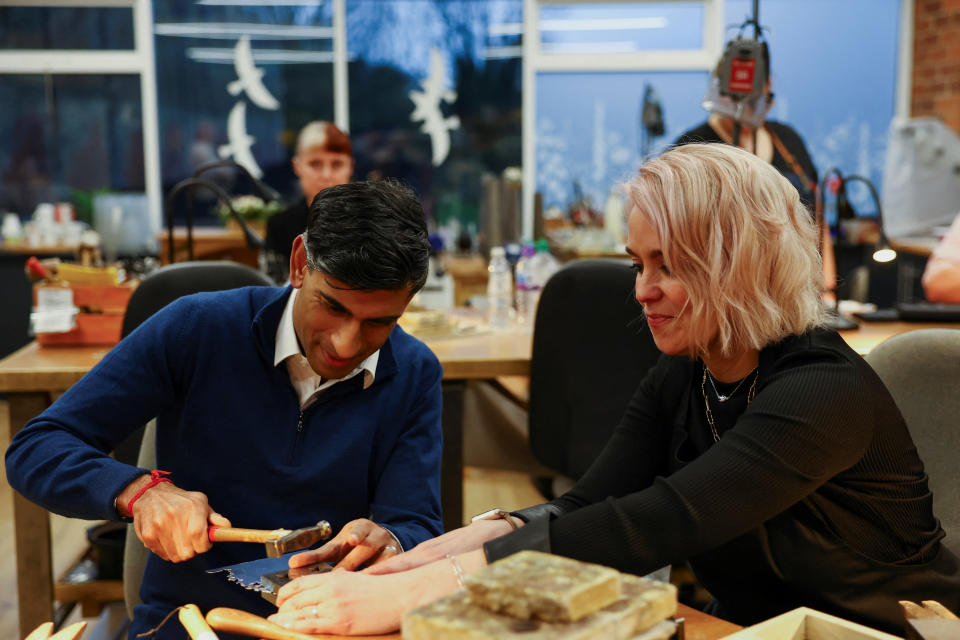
(761, 449)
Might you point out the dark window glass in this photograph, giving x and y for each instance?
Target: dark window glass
(67, 137)
(66, 28)
(206, 115)
(457, 62)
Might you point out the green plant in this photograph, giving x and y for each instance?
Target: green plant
(249, 208)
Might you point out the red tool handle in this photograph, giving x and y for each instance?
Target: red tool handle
(35, 268)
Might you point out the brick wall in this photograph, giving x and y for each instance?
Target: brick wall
(936, 61)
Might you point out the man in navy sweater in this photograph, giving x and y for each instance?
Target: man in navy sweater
(275, 407)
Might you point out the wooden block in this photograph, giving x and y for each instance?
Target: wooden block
(642, 605)
(541, 586)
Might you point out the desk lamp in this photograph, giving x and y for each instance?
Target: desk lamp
(254, 241)
(882, 252)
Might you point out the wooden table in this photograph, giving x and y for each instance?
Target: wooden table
(30, 375)
(697, 626)
(209, 243)
(917, 245)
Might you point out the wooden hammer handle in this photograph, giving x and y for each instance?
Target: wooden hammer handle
(248, 624)
(229, 534)
(192, 620)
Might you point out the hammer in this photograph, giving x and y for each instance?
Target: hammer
(277, 541)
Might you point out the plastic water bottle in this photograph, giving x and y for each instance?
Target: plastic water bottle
(499, 289)
(525, 282)
(542, 266)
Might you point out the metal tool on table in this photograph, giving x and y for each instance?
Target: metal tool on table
(247, 624)
(277, 541)
(267, 575)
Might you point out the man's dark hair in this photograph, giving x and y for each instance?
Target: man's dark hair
(369, 235)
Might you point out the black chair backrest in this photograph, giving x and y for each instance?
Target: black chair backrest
(168, 283)
(591, 348)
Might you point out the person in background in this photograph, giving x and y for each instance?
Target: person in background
(941, 277)
(323, 159)
(780, 145)
(761, 448)
(275, 407)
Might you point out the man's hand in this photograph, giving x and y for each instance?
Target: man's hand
(360, 541)
(169, 521)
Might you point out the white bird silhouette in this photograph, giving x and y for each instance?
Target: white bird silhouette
(239, 141)
(427, 108)
(250, 78)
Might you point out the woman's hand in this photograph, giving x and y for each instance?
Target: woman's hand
(358, 542)
(456, 542)
(354, 603)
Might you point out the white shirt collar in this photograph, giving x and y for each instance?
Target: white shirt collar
(303, 378)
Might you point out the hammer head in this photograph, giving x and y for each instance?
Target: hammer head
(299, 539)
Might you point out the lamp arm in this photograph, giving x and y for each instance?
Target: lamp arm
(254, 241)
(876, 200)
(266, 192)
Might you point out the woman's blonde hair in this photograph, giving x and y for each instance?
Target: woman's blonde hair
(734, 232)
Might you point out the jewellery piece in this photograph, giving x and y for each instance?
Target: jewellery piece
(495, 514)
(156, 477)
(314, 612)
(721, 397)
(457, 570)
(392, 548)
(706, 401)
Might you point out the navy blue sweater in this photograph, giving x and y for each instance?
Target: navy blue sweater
(227, 426)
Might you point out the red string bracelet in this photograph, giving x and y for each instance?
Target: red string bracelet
(156, 478)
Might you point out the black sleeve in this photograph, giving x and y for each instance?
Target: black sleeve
(786, 445)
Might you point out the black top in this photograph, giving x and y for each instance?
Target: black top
(282, 230)
(791, 141)
(813, 496)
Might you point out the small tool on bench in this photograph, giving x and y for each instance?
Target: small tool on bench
(247, 624)
(277, 541)
(45, 632)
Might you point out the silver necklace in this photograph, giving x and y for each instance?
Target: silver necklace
(720, 396)
(706, 401)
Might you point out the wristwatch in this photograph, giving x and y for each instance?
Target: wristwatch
(495, 514)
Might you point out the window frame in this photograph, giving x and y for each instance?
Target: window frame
(138, 61)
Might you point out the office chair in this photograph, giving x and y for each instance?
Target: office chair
(921, 369)
(156, 291)
(591, 348)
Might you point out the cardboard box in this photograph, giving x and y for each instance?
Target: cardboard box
(100, 317)
(91, 328)
(809, 624)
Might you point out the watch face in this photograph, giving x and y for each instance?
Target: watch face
(493, 514)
